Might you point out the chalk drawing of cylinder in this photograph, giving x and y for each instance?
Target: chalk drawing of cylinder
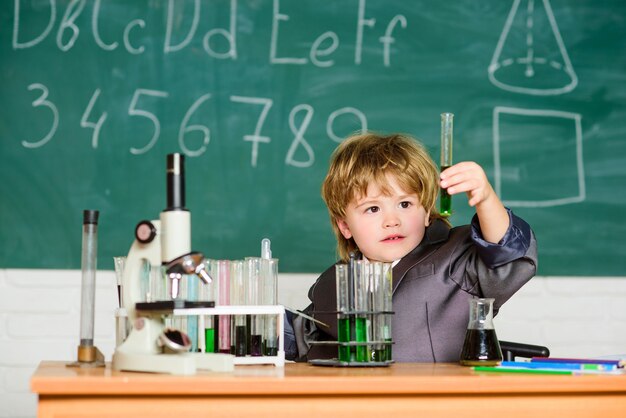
(538, 157)
(530, 57)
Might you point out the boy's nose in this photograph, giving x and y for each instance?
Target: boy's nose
(391, 221)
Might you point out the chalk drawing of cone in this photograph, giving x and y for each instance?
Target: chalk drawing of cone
(528, 58)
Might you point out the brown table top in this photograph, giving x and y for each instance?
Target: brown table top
(54, 378)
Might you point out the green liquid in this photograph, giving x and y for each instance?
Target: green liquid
(271, 351)
(388, 350)
(209, 340)
(445, 203)
(360, 328)
(343, 336)
(445, 200)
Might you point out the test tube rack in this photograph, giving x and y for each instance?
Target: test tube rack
(368, 345)
(276, 310)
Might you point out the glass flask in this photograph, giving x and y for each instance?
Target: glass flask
(481, 346)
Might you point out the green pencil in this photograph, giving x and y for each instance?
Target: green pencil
(520, 370)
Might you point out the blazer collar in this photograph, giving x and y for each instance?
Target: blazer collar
(437, 232)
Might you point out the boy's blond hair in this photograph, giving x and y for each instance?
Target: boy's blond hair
(366, 159)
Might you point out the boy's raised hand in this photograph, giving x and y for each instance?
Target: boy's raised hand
(467, 177)
(470, 178)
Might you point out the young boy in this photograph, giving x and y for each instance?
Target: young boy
(381, 193)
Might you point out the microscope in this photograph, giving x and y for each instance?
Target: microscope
(164, 243)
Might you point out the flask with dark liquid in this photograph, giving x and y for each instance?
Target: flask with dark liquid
(481, 346)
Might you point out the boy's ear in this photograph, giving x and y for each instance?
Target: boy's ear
(427, 219)
(344, 228)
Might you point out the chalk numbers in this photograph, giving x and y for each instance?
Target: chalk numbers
(42, 101)
(133, 110)
(193, 137)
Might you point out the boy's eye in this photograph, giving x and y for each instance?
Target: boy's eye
(405, 205)
(372, 209)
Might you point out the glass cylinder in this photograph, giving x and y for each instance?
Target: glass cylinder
(254, 285)
(88, 270)
(269, 273)
(388, 307)
(343, 306)
(447, 124)
(380, 290)
(239, 328)
(481, 346)
(207, 293)
(122, 324)
(447, 136)
(223, 275)
(362, 306)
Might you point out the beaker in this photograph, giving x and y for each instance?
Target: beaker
(481, 346)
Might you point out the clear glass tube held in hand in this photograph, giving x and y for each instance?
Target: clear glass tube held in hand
(447, 135)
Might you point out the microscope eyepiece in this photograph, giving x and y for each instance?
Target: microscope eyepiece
(175, 182)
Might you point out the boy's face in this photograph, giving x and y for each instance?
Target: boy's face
(385, 228)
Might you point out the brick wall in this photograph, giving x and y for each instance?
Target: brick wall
(40, 320)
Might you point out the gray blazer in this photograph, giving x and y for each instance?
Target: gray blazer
(431, 289)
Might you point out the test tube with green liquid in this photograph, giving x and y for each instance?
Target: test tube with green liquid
(362, 306)
(387, 290)
(378, 295)
(239, 329)
(447, 125)
(207, 293)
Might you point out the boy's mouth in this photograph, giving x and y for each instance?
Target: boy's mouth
(392, 238)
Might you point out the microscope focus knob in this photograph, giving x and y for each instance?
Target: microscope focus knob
(145, 231)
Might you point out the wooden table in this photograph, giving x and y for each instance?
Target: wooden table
(301, 390)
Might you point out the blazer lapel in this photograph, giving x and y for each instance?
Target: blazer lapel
(434, 234)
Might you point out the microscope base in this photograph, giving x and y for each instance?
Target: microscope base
(141, 353)
(154, 363)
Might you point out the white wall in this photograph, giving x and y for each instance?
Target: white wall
(40, 319)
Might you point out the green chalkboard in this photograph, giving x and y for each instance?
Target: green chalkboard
(257, 93)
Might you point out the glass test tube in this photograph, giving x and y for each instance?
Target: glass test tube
(192, 290)
(88, 271)
(269, 270)
(377, 320)
(153, 282)
(387, 281)
(362, 306)
(239, 329)
(171, 321)
(253, 277)
(207, 294)
(343, 306)
(122, 325)
(447, 124)
(381, 303)
(224, 269)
